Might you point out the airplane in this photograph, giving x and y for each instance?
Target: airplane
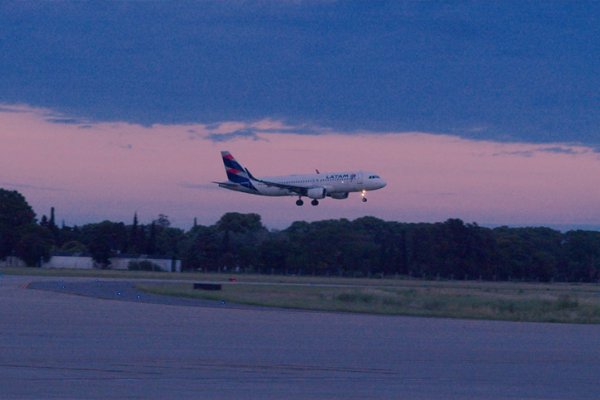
(336, 185)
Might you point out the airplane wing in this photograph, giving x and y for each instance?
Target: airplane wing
(301, 190)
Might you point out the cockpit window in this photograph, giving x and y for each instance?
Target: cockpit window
(374, 177)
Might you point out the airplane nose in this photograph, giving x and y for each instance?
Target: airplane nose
(382, 183)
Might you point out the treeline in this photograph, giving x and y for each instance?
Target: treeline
(365, 247)
(370, 247)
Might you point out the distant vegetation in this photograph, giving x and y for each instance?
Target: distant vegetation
(566, 303)
(365, 247)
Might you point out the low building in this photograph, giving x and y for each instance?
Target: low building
(121, 262)
(11, 261)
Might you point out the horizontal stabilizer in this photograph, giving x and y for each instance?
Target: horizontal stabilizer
(226, 184)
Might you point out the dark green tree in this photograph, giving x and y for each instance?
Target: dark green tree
(15, 215)
(240, 223)
(167, 241)
(134, 236)
(151, 243)
(104, 240)
(240, 235)
(200, 249)
(581, 256)
(52, 222)
(34, 245)
(74, 247)
(273, 253)
(162, 221)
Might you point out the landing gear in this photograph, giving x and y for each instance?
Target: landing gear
(363, 194)
(299, 202)
(315, 202)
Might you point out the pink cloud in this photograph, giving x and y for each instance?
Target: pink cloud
(111, 170)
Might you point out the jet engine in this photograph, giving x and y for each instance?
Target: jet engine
(316, 193)
(338, 196)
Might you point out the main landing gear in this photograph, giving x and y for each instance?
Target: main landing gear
(315, 202)
(300, 202)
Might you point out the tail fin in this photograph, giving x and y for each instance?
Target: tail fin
(235, 172)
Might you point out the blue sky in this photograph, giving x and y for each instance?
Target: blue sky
(511, 71)
(485, 111)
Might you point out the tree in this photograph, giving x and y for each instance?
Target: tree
(273, 254)
(581, 257)
(15, 214)
(136, 237)
(200, 248)
(52, 222)
(363, 247)
(101, 252)
(240, 235)
(240, 223)
(105, 240)
(151, 244)
(167, 241)
(528, 253)
(73, 247)
(162, 221)
(34, 245)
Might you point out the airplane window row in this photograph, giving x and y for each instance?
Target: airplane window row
(322, 180)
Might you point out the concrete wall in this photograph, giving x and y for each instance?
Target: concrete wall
(164, 264)
(82, 262)
(69, 262)
(12, 262)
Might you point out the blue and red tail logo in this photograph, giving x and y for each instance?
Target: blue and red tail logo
(235, 172)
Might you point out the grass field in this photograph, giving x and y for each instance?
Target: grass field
(564, 303)
(559, 302)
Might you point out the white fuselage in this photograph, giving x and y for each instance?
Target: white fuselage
(336, 184)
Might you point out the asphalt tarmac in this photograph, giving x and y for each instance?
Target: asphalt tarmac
(85, 339)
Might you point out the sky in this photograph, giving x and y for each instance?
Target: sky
(484, 111)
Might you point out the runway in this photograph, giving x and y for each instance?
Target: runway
(55, 345)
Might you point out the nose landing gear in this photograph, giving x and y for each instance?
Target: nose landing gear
(363, 194)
